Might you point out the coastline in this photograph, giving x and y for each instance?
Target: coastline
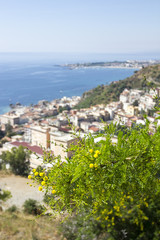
(57, 83)
(128, 64)
(4, 109)
(100, 67)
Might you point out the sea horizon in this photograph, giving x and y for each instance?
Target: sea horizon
(62, 58)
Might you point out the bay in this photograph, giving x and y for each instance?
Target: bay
(28, 82)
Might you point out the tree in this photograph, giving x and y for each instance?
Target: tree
(9, 130)
(117, 184)
(135, 103)
(1, 134)
(18, 158)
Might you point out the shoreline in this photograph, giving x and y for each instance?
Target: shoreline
(21, 106)
(128, 64)
(93, 67)
(25, 102)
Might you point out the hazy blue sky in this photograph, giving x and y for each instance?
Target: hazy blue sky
(98, 26)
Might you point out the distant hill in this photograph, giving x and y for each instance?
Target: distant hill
(109, 93)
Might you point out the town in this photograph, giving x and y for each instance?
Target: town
(115, 64)
(49, 126)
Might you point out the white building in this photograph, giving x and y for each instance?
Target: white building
(9, 119)
(60, 142)
(146, 102)
(124, 96)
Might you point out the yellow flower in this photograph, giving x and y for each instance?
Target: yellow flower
(116, 208)
(136, 221)
(95, 155)
(91, 150)
(53, 191)
(41, 174)
(36, 174)
(131, 199)
(97, 152)
(91, 165)
(40, 188)
(145, 218)
(53, 187)
(30, 185)
(29, 177)
(45, 178)
(110, 212)
(43, 183)
(95, 165)
(33, 170)
(146, 204)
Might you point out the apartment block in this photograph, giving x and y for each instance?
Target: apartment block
(59, 142)
(40, 136)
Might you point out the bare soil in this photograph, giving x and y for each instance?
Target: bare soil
(20, 190)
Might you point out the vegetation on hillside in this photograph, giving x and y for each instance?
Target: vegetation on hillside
(108, 93)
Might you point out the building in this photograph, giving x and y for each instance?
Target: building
(11, 119)
(60, 142)
(124, 96)
(40, 136)
(146, 102)
(131, 110)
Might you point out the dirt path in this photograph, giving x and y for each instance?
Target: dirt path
(20, 190)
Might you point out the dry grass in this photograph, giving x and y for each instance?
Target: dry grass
(17, 226)
(5, 173)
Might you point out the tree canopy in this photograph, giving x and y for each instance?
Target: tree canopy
(18, 158)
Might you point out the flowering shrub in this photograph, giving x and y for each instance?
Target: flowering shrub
(117, 184)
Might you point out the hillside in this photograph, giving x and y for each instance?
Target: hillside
(108, 93)
(19, 226)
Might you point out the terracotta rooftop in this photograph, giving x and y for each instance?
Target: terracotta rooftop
(94, 129)
(34, 149)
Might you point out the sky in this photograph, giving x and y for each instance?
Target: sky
(84, 26)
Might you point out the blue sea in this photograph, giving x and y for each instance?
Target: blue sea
(29, 78)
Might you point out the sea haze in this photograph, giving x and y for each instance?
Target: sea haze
(29, 82)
